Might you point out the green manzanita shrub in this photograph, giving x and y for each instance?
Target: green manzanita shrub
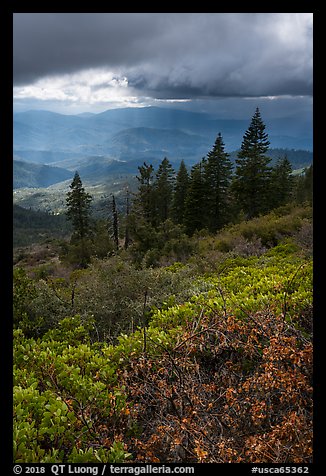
(71, 399)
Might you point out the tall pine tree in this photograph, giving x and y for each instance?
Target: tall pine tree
(180, 194)
(115, 224)
(282, 183)
(194, 203)
(78, 209)
(163, 190)
(127, 224)
(303, 190)
(145, 197)
(217, 179)
(252, 175)
(78, 212)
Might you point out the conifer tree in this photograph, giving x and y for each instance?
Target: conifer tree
(180, 194)
(145, 197)
(217, 178)
(252, 175)
(308, 183)
(282, 182)
(78, 209)
(194, 203)
(78, 212)
(304, 186)
(115, 225)
(127, 233)
(163, 189)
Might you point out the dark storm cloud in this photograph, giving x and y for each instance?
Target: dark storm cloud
(52, 43)
(169, 55)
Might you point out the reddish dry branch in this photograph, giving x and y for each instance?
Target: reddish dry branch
(230, 391)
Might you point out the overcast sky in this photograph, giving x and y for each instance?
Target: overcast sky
(220, 62)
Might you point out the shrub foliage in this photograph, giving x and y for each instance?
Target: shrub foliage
(219, 373)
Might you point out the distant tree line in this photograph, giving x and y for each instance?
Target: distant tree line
(170, 204)
(34, 226)
(213, 194)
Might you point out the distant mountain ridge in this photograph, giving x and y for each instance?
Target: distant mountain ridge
(129, 133)
(107, 148)
(37, 175)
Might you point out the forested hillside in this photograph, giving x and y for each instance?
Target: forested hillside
(30, 226)
(36, 175)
